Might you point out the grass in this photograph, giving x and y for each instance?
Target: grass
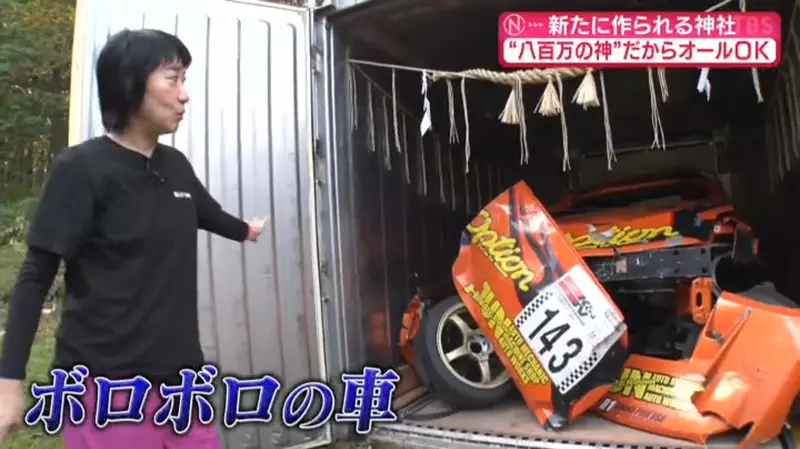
(10, 259)
(41, 357)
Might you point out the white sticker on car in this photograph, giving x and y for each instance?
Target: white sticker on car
(570, 326)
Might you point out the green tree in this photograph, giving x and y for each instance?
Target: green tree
(35, 51)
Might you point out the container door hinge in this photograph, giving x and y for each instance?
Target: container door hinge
(317, 148)
(316, 61)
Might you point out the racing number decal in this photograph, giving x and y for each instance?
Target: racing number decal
(569, 329)
(550, 337)
(562, 330)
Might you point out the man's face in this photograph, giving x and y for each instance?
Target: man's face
(165, 99)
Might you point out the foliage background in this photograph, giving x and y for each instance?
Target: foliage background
(35, 51)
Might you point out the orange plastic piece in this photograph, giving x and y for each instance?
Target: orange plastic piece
(695, 299)
(412, 318)
(745, 370)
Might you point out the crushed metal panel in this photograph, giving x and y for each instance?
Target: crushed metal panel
(247, 133)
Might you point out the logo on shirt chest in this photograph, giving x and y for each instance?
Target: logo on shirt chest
(182, 195)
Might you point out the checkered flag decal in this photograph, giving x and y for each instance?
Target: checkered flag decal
(532, 306)
(579, 373)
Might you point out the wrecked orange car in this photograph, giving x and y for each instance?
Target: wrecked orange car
(527, 292)
(732, 380)
(679, 210)
(535, 290)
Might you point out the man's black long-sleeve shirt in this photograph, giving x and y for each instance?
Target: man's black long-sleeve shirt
(126, 227)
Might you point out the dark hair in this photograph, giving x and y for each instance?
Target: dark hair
(123, 67)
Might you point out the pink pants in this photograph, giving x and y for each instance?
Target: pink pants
(134, 436)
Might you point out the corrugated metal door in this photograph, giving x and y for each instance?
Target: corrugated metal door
(783, 110)
(248, 135)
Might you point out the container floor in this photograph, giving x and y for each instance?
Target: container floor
(512, 422)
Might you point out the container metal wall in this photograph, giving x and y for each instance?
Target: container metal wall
(247, 133)
(398, 226)
(379, 226)
(766, 181)
(763, 162)
(782, 130)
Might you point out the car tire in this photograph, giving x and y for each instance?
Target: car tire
(442, 378)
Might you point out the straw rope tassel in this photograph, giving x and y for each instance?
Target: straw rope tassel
(395, 120)
(425, 123)
(531, 76)
(370, 119)
(548, 104)
(452, 171)
(418, 164)
(467, 148)
(406, 165)
(467, 196)
(611, 155)
(510, 114)
(523, 123)
(451, 111)
(437, 150)
(422, 165)
(514, 114)
(387, 148)
(586, 94)
(655, 117)
(662, 83)
(757, 84)
(423, 170)
(565, 163)
(353, 91)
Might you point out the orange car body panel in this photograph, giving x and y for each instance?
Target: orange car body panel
(564, 352)
(412, 319)
(695, 299)
(644, 226)
(745, 370)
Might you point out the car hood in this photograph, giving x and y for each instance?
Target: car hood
(611, 231)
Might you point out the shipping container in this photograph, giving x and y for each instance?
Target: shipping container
(283, 124)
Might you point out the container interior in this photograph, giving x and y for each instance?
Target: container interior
(406, 209)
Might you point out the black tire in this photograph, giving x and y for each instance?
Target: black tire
(794, 412)
(786, 438)
(434, 372)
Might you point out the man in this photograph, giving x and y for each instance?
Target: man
(122, 211)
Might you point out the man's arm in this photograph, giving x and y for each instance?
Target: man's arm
(63, 220)
(211, 217)
(25, 307)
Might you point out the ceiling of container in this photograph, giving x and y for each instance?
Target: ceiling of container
(462, 34)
